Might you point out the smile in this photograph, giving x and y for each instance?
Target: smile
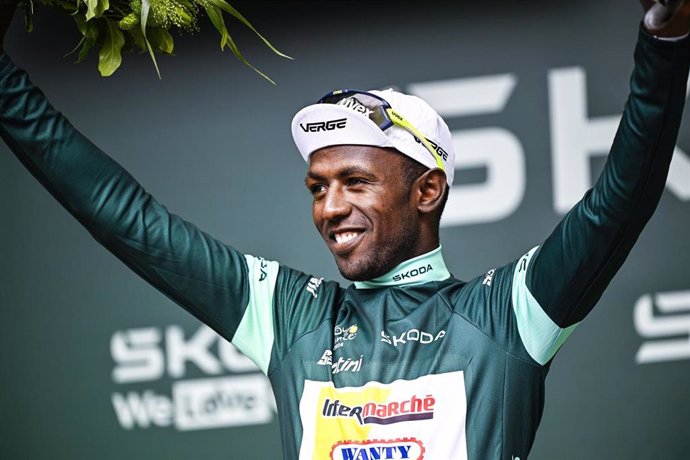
(344, 241)
(345, 237)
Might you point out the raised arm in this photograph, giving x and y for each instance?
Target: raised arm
(256, 304)
(200, 273)
(567, 274)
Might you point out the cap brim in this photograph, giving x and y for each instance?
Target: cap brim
(324, 125)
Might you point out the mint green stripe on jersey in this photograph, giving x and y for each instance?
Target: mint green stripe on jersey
(540, 335)
(421, 269)
(254, 336)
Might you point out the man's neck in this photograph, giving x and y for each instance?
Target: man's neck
(421, 269)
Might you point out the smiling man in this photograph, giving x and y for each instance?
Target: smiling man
(379, 184)
(408, 362)
(364, 212)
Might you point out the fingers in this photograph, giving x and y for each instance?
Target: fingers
(664, 17)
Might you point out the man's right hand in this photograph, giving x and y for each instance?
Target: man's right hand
(679, 25)
(7, 11)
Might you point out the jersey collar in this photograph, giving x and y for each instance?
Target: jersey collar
(421, 269)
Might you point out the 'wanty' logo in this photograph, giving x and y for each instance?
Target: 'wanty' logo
(409, 410)
(409, 448)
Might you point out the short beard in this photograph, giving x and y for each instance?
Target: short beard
(395, 250)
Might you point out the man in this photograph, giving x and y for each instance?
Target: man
(409, 362)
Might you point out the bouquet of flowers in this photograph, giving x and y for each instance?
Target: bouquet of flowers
(117, 26)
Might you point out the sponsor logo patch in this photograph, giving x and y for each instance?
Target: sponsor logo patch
(344, 334)
(489, 277)
(404, 448)
(354, 104)
(342, 364)
(385, 420)
(372, 412)
(329, 125)
(413, 273)
(313, 285)
(263, 267)
(439, 150)
(413, 335)
(326, 358)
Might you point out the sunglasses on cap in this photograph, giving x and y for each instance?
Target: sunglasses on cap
(380, 112)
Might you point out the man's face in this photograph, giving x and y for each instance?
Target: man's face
(363, 209)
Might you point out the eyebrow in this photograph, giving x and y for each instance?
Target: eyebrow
(346, 172)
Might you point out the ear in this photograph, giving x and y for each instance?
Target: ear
(429, 189)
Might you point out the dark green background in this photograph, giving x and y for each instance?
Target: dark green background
(212, 141)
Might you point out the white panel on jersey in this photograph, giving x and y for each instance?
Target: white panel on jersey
(255, 334)
(540, 335)
(414, 419)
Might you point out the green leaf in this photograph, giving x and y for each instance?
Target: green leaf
(216, 17)
(90, 32)
(138, 38)
(215, 14)
(103, 6)
(236, 51)
(96, 8)
(214, 10)
(145, 7)
(223, 5)
(161, 39)
(81, 24)
(83, 39)
(187, 4)
(110, 56)
(28, 7)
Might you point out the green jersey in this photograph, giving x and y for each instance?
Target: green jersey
(415, 364)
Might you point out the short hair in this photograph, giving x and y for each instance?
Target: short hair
(411, 170)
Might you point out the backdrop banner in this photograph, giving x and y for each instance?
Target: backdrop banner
(98, 365)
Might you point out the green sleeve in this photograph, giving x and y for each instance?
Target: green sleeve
(558, 283)
(200, 273)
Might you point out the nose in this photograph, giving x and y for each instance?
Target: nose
(335, 206)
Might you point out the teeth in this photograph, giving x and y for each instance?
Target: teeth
(345, 237)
